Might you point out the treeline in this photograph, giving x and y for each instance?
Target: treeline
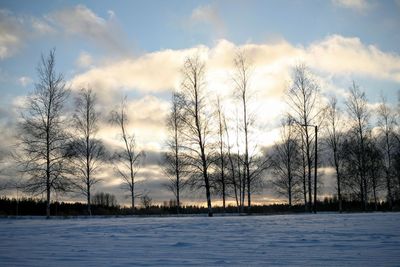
(212, 144)
(37, 207)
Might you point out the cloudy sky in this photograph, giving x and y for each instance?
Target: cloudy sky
(137, 49)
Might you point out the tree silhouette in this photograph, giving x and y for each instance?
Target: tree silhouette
(42, 137)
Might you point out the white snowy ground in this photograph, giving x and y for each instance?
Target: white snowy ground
(297, 240)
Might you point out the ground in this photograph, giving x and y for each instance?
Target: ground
(370, 239)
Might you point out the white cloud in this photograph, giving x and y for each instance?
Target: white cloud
(208, 14)
(111, 14)
(359, 5)
(16, 30)
(153, 72)
(272, 62)
(84, 60)
(146, 120)
(159, 72)
(11, 34)
(82, 21)
(341, 55)
(25, 81)
(42, 26)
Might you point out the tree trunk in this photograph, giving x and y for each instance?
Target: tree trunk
(235, 189)
(248, 190)
(389, 190)
(208, 194)
(362, 194)
(308, 171)
(133, 201)
(246, 154)
(48, 186)
(243, 191)
(388, 182)
(374, 191)
(48, 202)
(88, 203)
(177, 195)
(289, 178)
(338, 188)
(363, 179)
(315, 169)
(304, 174)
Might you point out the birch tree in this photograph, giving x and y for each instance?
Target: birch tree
(241, 79)
(221, 180)
(334, 142)
(387, 123)
(374, 170)
(86, 152)
(358, 111)
(233, 177)
(286, 163)
(127, 161)
(196, 126)
(174, 164)
(303, 100)
(43, 140)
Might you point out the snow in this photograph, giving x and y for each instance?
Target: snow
(370, 239)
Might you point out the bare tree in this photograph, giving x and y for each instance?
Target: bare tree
(334, 142)
(174, 165)
(359, 114)
(240, 172)
(386, 123)
(241, 80)
(302, 98)
(128, 161)
(42, 137)
(304, 173)
(374, 168)
(221, 157)
(397, 151)
(233, 176)
(86, 152)
(286, 163)
(196, 126)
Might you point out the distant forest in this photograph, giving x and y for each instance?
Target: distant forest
(209, 150)
(37, 207)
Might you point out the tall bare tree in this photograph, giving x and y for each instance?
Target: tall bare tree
(304, 173)
(240, 172)
(196, 126)
(397, 154)
(42, 137)
(286, 163)
(334, 142)
(174, 165)
(374, 169)
(303, 100)
(358, 111)
(241, 79)
(86, 152)
(222, 155)
(129, 160)
(387, 123)
(232, 178)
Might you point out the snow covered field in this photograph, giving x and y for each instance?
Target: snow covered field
(306, 240)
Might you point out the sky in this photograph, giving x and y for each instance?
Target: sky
(137, 49)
